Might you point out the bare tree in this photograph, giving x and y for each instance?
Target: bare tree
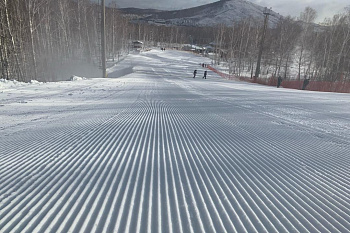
(307, 18)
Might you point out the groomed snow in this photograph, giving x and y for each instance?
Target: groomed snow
(150, 149)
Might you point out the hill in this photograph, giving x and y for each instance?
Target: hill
(221, 12)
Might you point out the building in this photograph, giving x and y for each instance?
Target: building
(137, 45)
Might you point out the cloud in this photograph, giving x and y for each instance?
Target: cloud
(324, 8)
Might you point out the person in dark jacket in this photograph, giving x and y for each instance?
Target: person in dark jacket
(194, 73)
(205, 75)
(305, 83)
(279, 81)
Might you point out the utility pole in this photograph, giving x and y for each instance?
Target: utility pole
(114, 6)
(266, 13)
(103, 39)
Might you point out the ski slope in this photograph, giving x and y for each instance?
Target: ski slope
(150, 149)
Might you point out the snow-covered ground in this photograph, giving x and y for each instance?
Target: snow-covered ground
(150, 149)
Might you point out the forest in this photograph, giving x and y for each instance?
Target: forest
(45, 40)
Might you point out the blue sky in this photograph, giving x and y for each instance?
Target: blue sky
(324, 8)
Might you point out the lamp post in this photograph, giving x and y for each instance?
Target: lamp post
(191, 40)
(103, 39)
(266, 12)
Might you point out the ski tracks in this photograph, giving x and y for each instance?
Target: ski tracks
(158, 157)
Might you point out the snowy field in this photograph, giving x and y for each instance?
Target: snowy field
(150, 149)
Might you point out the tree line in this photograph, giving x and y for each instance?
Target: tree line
(295, 48)
(45, 39)
(39, 39)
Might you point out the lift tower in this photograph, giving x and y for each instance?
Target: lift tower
(103, 39)
(266, 12)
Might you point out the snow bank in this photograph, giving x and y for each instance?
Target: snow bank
(76, 78)
(4, 84)
(35, 82)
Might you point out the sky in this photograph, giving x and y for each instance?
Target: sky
(324, 8)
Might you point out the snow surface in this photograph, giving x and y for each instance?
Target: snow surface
(155, 150)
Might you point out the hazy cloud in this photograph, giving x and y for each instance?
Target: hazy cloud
(324, 8)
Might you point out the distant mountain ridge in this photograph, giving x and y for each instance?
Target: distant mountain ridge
(221, 12)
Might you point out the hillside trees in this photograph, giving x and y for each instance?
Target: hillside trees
(242, 45)
(336, 53)
(283, 40)
(219, 43)
(44, 39)
(313, 51)
(238, 45)
(308, 16)
(9, 58)
(236, 48)
(118, 31)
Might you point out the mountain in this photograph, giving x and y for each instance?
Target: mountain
(221, 12)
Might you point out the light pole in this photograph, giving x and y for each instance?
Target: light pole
(266, 12)
(103, 39)
(191, 40)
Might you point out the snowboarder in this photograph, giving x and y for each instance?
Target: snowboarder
(205, 75)
(194, 73)
(279, 81)
(305, 83)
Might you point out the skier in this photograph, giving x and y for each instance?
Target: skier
(305, 83)
(279, 80)
(205, 75)
(194, 73)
